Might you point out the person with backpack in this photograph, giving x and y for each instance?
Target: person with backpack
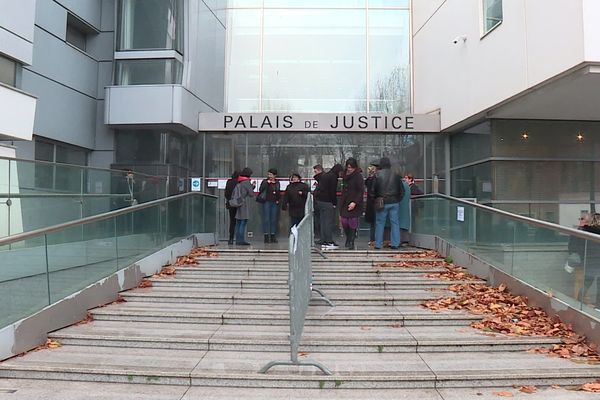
(229, 186)
(389, 191)
(294, 199)
(239, 200)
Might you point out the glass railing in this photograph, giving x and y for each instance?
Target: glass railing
(37, 194)
(41, 267)
(559, 261)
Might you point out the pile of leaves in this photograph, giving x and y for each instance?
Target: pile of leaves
(412, 264)
(417, 254)
(185, 260)
(167, 270)
(202, 252)
(453, 273)
(511, 315)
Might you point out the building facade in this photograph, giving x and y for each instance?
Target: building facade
(121, 83)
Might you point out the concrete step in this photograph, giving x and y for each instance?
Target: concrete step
(275, 338)
(279, 314)
(343, 282)
(350, 371)
(278, 296)
(336, 270)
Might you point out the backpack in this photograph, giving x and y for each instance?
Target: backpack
(236, 197)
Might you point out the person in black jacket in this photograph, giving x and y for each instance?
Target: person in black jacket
(318, 170)
(294, 199)
(351, 201)
(229, 186)
(388, 186)
(270, 193)
(325, 203)
(370, 209)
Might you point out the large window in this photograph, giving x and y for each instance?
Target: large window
(318, 56)
(148, 71)
(57, 177)
(492, 14)
(7, 70)
(150, 25)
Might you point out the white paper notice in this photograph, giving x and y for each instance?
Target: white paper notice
(221, 183)
(460, 214)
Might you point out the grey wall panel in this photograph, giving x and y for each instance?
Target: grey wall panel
(105, 70)
(61, 62)
(101, 159)
(88, 10)
(18, 19)
(101, 46)
(108, 15)
(104, 135)
(61, 113)
(205, 57)
(15, 47)
(51, 17)
(139, 104)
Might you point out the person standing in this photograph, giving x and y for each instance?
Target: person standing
(351, 201)
(415, 190)
(325, 203)
(404, 216)
(294, 199)
(229, 186)
(388, 187)
(269, 195)
(370, 209)
(318, 173)
(243, 191)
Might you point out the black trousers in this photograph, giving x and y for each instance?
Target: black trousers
(232, 212)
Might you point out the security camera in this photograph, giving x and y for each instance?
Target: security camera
(459, 39)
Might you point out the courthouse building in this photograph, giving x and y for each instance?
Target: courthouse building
(487, 99)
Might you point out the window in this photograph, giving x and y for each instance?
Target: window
(148, 71)
(8, 70)
(150, 24)
(57, 177)
(492, 14)
(78, 32)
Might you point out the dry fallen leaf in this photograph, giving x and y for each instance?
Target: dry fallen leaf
(52, 344)
(591, 387)
(528, 389)
(504, 394)
(145, 283)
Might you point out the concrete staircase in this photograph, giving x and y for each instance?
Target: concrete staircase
(214, 325)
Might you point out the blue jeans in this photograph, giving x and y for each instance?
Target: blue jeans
(269, 217)
(240, 230)
(380, 218)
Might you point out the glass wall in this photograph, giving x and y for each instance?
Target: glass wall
(318, 56)
(148, 71)
(150, 25)
(543, 169)
(8, 70)
(299, 152)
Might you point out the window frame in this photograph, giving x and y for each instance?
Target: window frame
(484, 17)
(14, 71)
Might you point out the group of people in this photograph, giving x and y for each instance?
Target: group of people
(386, 204)
(239, 190)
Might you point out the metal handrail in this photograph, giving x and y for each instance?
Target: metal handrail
(100, 217)
(59, 195)
(536, 222)
(119, 171)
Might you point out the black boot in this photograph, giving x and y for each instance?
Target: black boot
(347, 234)
(274, 239)
(351, 237)
(267, 238)
(230, 241)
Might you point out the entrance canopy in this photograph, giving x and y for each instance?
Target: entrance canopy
(329, 122)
